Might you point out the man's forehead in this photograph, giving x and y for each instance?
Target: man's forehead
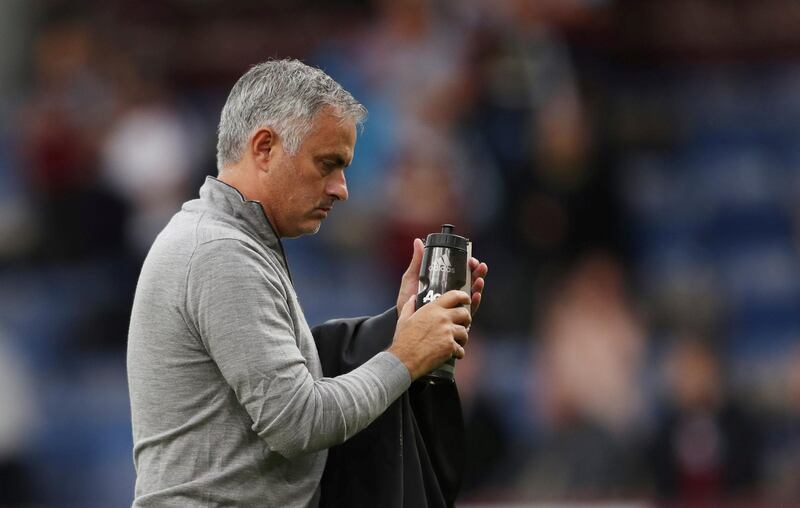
(332, 133)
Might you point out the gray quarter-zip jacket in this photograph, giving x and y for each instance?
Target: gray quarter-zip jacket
(228, 403)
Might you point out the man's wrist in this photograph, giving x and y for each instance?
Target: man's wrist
(400, 359)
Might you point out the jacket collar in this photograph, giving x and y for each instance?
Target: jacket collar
(248, 214)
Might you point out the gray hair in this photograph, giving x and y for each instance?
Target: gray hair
(284, 95)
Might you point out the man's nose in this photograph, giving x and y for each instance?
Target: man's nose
(337, 186)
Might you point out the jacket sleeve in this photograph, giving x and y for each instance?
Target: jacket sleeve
(240, 311)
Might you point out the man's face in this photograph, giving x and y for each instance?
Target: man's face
(299, 190)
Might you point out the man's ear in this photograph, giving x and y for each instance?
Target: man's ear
(262, 147)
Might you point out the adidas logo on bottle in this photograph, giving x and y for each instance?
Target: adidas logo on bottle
(442, 264)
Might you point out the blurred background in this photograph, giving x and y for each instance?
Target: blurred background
(629, 169)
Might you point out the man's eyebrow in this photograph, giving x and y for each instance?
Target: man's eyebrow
(335, 158)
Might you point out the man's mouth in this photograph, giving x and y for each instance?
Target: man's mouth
(323, 210)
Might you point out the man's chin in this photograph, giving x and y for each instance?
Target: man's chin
(307, 229)
(315, 229)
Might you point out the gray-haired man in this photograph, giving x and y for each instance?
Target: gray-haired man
(228, 402)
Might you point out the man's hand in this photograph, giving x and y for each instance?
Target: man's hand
(425, 339)
(409, 284)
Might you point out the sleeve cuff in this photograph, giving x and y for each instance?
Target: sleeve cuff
(393, 372)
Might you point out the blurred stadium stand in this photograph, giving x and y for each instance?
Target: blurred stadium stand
(629, 169)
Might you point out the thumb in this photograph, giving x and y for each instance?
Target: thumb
(408, 308)
(416, 259)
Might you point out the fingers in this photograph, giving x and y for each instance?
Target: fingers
(460, 316)
(477, 293)
(460, 335)
(478, 269)
(458, 351)
(476, 302)
(453, 299)
(408, 309)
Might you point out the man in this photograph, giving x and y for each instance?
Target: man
(229, 404)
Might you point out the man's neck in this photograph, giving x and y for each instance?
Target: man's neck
(243, 180)
(239, 179)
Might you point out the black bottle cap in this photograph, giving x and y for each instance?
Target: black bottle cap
(446, 239)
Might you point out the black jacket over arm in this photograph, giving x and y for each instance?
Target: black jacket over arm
(412, 456)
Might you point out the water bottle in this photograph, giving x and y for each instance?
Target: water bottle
(444, 267)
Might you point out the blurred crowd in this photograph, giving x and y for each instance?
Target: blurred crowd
(629, 170)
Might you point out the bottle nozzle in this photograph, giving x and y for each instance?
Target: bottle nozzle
(447, 229)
